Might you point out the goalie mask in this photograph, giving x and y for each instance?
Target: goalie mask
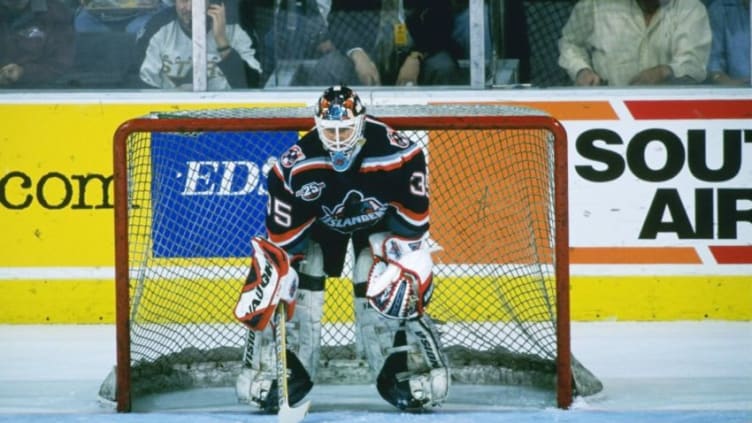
(339, 121)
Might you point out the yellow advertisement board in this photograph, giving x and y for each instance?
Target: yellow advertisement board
(56, 254)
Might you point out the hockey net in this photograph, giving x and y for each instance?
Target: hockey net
(190, 193)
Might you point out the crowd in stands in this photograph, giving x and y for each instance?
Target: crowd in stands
(147, 43)
(371, 42)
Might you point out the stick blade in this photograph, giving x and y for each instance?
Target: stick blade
(289, 414)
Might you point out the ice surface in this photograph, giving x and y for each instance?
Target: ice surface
(678, 372)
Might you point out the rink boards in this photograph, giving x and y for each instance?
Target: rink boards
(660, 199)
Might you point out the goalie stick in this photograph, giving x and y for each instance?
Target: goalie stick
(286, 413)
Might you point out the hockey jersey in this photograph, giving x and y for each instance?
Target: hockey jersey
(387, 183)
(169, 59)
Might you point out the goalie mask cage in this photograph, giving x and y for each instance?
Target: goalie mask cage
(190, 193)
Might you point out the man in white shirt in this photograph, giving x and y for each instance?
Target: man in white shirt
(231, 55)
(636, 42)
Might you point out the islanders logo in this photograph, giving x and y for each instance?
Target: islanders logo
(354, 212)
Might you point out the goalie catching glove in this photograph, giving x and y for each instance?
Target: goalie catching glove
(400, 282)
(270, 280)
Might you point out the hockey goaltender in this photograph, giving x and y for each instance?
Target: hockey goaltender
(352, 178)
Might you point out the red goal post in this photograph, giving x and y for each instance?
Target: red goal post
(189, 194)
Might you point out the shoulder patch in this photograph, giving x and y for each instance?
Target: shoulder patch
(293, 155)
(310, 191)
(397, 139)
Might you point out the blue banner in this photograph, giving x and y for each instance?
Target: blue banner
(209, 190)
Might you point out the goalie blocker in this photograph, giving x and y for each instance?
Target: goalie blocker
(393, 334)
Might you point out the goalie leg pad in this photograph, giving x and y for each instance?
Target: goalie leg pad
(415, 377)
(412, 392)
(304, 330)
(430, 389)
(299, 384)
(257, 382)
(374, 335)
(431, 386)
(423, 334)
(412, 372)
(254, 382)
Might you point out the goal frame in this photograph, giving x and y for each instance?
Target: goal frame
(564, 376)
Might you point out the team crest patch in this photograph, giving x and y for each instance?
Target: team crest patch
(396, 138)
(293, 155)
(396, 251)
(310, 191)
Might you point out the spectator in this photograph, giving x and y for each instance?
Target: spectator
(407, 48)
(300, 31)
(116, 15)
(231, 56)
(461, 29)
(436, 51)
(514, 26)
(347, 41)
(36, 42)
(636, 42)
(729, 54)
